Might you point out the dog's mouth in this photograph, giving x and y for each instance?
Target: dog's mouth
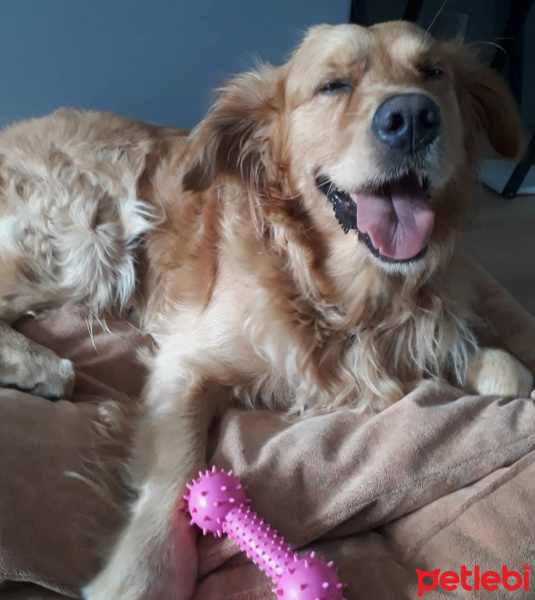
(394, 220)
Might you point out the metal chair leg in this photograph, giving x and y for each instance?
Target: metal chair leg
(519, 174)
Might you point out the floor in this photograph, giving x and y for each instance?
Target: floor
(502, 239)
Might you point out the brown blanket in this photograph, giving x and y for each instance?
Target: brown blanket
(437, 481)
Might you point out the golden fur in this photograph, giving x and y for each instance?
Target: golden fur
(222, 245)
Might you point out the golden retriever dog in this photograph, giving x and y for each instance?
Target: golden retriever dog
(296, 250)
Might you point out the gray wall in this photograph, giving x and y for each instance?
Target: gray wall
(156, 60)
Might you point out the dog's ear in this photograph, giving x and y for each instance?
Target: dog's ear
(485, 101)
(234, 138)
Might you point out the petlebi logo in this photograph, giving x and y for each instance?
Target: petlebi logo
(473, 580)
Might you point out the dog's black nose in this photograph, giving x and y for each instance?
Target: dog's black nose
(407, 122)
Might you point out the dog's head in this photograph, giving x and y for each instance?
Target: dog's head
(373, 131)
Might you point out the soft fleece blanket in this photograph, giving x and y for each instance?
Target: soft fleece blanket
(440, 480)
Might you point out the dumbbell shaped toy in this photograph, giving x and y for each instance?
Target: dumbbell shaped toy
(218, 504)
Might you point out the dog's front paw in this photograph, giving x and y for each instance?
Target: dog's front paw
(145, 567)
(56, 383)
(112, 586)
(38, 371)
(116, 583)
(498, 373)
(48, 376)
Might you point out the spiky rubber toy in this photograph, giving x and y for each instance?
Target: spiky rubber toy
(217, 504)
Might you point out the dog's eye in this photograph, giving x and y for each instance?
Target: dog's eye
(431, 71)
(337, 86)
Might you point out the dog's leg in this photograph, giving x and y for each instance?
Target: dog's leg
(496, 372)
(33, 368)
(155, 555)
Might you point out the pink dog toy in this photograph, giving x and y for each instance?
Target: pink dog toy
(217, 504)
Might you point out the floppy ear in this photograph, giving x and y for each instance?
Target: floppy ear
(486, 102)
(234, 138)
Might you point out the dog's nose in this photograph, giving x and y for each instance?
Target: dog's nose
(407, 122)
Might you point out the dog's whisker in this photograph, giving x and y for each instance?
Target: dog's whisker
(358, 113)
(490, 43)
(439, 12)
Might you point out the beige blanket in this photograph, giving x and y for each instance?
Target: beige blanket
(437, 481)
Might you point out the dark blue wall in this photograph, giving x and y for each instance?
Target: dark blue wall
(156, 60)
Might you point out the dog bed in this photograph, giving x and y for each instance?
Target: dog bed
(440, 480)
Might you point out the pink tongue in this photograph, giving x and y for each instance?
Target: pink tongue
(399, 223)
